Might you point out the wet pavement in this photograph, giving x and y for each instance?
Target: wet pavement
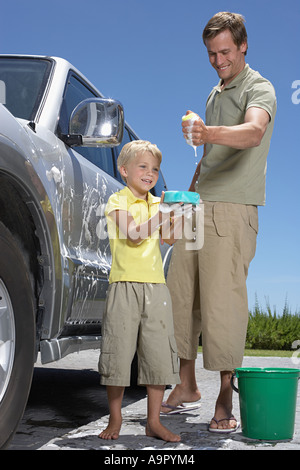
(67, 409)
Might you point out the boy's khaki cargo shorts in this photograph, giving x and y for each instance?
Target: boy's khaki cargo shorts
(138, 317)
(208, 286)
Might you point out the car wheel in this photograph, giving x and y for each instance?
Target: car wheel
(17, 335)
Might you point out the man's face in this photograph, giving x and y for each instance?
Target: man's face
(225, 57)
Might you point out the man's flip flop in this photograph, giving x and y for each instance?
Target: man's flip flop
(224, 430)
(178, 409)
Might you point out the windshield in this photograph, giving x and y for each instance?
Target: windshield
(22, 84)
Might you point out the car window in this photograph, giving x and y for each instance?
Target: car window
(126, 138)
(101, 157)
(77, 91)
(160, 186)
(22, 84)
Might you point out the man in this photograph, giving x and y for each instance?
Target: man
(208, 286)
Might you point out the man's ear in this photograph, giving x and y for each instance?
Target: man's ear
(243, 47)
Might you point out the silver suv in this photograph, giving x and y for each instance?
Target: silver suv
(59, 141)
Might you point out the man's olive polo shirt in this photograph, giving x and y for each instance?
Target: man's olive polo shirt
(237, 175)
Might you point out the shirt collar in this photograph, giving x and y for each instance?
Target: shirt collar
(132, 198)
(235, 81)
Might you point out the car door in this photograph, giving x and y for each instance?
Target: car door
(87, 257)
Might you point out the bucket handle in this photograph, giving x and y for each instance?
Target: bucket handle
(232, 384)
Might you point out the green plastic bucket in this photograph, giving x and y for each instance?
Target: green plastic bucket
(267, 399)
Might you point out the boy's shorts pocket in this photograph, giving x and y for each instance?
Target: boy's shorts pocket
(107, 360)
(174, 354)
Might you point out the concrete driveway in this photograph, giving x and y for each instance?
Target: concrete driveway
(68, 408)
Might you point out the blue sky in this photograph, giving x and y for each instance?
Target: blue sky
(150, 56)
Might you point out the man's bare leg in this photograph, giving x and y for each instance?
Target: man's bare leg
(187, 391)
(223, 409)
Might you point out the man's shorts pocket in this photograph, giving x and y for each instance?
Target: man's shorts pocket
(220, 219)
(253, 217)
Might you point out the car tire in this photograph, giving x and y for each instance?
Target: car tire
(17, 335)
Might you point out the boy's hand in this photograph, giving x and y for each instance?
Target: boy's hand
(167, 210)
(179, 209)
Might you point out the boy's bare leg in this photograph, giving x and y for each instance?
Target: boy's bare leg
(187, 391)
(154, 428)
(115, 397)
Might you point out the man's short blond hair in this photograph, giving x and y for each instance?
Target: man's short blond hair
(130, 150)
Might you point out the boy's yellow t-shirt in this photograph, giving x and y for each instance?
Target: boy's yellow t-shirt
(134, 262)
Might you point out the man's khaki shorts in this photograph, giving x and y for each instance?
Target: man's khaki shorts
(208, 286)
(138, 317)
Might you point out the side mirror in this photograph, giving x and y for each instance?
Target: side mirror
(96, 122)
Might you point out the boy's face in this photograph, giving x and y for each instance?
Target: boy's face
(141, 173)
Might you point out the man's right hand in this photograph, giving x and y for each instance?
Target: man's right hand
(198, 131)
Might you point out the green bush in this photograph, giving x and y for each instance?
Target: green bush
(267, 330)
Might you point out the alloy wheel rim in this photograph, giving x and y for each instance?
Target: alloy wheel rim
(7, 339)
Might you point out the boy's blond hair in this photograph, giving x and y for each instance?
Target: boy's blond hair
(130, 150)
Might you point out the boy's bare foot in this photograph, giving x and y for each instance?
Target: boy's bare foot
(113, 429)
(159, 431)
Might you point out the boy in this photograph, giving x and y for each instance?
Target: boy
(138, 314)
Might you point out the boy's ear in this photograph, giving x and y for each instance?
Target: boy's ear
(123, 171)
